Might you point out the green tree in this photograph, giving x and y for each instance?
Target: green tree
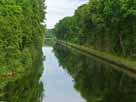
(105, 25)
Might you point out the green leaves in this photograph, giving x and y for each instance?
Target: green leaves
(107, 25)
(20, 28)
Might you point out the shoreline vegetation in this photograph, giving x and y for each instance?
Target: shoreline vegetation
(126, 64)
(21, 37)
(105, 29)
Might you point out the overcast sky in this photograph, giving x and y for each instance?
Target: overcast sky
(58, 9)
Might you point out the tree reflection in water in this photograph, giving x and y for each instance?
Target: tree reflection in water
(27, 88)
(96, 81)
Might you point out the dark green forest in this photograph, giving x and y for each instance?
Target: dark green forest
(105, 25)
(21, 35)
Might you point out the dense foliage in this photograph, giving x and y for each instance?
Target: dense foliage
(106, 25)
(95, 80)
(21, 33)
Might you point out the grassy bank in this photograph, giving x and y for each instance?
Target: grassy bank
(116, 60)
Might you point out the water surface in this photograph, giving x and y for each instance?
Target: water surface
(70, 76)
(57, 82)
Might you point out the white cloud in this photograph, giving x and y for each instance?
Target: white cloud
(58, 9)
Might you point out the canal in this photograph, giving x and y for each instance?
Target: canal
(70, 76)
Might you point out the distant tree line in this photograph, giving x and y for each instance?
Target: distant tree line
(106, 25)
(21, 32)
(50, 34)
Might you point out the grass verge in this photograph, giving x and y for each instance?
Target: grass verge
(118, 61)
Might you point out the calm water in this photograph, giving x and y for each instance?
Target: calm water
(57, 82)
(70, 76)
(27, 88)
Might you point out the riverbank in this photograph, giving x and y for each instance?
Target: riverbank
(116, 60)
